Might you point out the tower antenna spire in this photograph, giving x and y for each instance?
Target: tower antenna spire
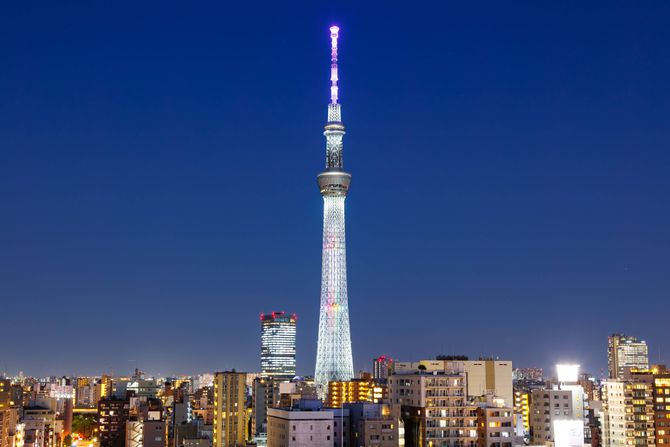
(334, 34)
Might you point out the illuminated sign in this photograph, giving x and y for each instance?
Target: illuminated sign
(569, 433)
(567, 373)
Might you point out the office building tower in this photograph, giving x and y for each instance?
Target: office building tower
(624, 353)
(333, 355)
(278, 332)
(229, 428)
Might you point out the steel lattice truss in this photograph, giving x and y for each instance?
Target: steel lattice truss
(333, 357)
(333, 354)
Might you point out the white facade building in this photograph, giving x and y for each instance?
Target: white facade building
(308, 428)
(614, 414)
(549, 406)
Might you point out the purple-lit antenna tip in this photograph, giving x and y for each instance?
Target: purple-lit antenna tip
(334, 30)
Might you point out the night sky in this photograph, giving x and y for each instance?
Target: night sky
(157, 180)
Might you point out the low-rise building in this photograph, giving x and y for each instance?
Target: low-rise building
(307, 424)
(549, 406)
(434, 408)
(356, 390)
(112, 416)
(374, 424)
(495, 427)
(485, 377)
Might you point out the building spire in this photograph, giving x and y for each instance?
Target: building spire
(334, 34)
(334, 113)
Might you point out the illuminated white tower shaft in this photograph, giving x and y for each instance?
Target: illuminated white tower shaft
(333, 354)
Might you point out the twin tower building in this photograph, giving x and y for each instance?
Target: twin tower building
(334, 360)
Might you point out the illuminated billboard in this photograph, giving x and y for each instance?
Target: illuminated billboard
(569, 433)
(567, 373)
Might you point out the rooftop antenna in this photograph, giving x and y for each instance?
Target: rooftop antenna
(334, 34)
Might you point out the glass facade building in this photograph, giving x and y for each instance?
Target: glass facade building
(278, 345)
(625, 351)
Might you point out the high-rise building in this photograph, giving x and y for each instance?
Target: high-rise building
(278, 345)
(645, 389)
(333, 355)
(229, 428)
(614, 413)
(625, 352)
(628, 413)
(662, 408)
(265, 394)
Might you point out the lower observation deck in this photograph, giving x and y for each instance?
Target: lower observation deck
(334, 183)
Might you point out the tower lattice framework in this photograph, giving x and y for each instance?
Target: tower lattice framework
(333, 355)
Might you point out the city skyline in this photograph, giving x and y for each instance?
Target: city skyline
(156, 177)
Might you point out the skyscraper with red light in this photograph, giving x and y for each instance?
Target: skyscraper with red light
(278, 345)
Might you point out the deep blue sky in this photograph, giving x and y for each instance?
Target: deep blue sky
(157, 179)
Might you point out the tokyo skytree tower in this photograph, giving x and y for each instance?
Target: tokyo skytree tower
(333, 354)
